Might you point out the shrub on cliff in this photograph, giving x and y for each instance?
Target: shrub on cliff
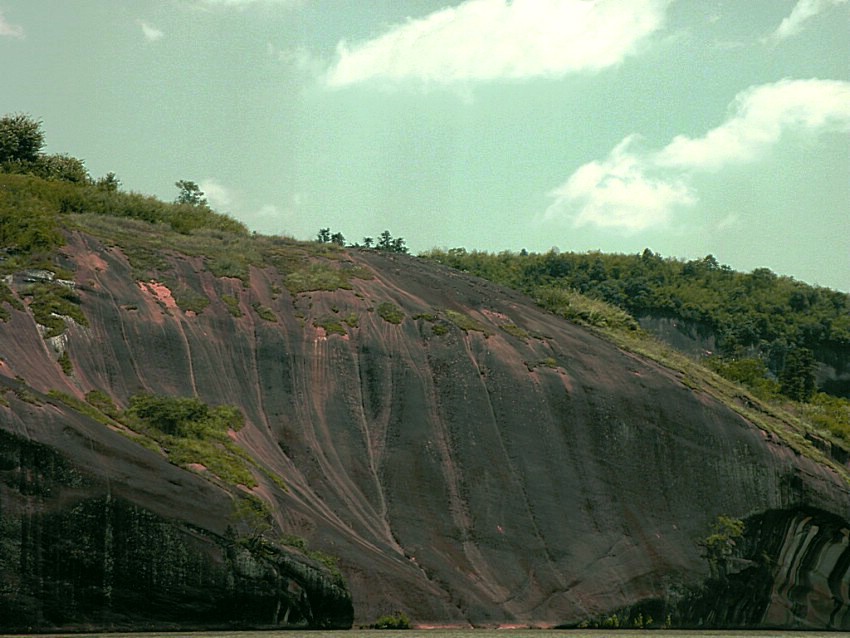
(398, 620)
(185, 416)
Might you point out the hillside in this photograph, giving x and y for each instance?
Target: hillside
(700, 305)
(466, 456)
(202, 427)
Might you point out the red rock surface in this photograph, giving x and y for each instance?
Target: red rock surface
(462, 477)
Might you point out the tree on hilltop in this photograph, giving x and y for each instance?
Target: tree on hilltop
(190, 193)
(391, 244)
(21, 138)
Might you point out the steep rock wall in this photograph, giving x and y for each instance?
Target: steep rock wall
(81, 546)
(480, 461)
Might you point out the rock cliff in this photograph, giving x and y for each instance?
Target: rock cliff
(466, 456)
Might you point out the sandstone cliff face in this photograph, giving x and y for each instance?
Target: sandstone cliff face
(474, 460)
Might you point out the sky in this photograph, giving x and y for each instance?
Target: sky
(690, 127)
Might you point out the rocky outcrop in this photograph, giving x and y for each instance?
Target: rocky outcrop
(791, 571)
(468, 457)
(79, 549)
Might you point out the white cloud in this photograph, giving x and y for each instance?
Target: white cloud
(481, 40)
(731, 220)
(7, 29)
(151, 33)
(297, 58)
(619, 192)
(760, 115)
(634, 190)
(802, 11)
(266, 218)
(219, 197)
(242, 4)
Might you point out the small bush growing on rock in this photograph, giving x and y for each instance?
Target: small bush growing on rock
(398, 620)
(103, 403)
(193, 433)
(65, 363)
(719, 546)
(331, 325)
(232, 305)
(264, 312)
(391, 313)
(467, 323)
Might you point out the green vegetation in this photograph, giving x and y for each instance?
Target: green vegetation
(264, 312)
(466, 323)
(386, 242)
(186, 430)
(768, 329)
(65, 363)
(21, 138)
(440, 329)
(50, 302)
(398, 620)
(429, 317)
(582, 309)
(80, 406)
(331, 325)
(191, 432)
(188, 300)
(316, 276)
(390, 312)
(758, 312)
(184, 416)
(720, 545)
(830, 414)
(747, 371)
(103, 403)
(8, 297)
(232, 304)
(514, 330)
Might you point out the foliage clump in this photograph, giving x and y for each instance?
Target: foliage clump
(514, 330)
(103, 403)
(331, 325)
(83, 407)
(582, 309)
(50, 303)
(398, 620)
(232, 304)
(390, 313)
(8, 297)
(830, 414)
(264, 312)
(317, 276)
(184, 416)
(191, 432)
(719, 546)
(65, 363)
(466, 323)
(190, 301)
(385, 242)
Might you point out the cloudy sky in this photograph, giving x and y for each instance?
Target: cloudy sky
(686, 126)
